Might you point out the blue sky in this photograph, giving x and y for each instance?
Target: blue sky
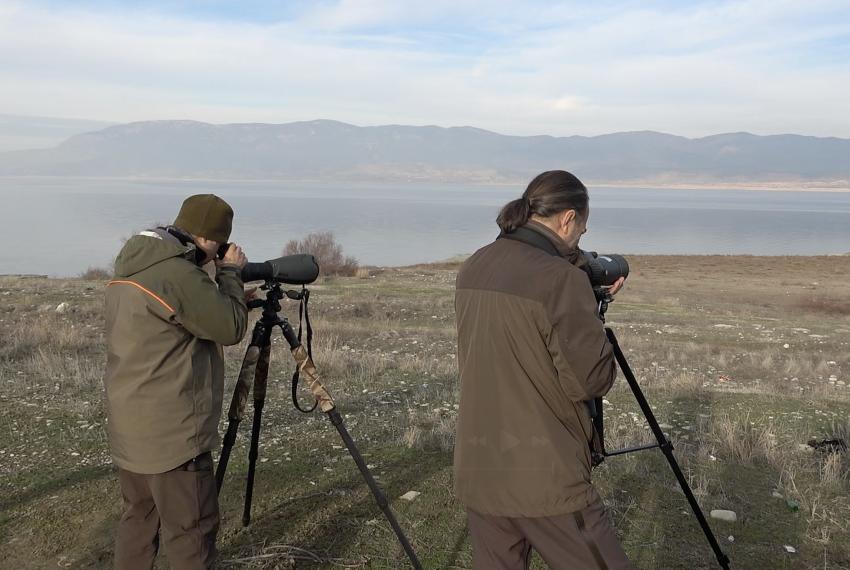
(533, 67)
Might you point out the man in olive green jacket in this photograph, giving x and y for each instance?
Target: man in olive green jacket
(532, 352)
(165, 323)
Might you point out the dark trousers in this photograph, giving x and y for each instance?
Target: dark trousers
(584, 540)
(183, 503)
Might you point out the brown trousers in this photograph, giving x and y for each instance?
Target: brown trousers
(583, 540)
(183, 502)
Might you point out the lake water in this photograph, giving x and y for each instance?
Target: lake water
(60, 227)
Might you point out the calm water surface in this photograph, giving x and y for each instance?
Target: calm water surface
(60, 227)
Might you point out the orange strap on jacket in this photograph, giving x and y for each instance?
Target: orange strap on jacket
(148, 291)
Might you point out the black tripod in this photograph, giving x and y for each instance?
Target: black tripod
(255, 370)
(664, 444)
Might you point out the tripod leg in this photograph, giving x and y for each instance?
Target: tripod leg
(224, 458)
(666, 447)
(308, 369)
(239, 400)
(380, 498)
(260, 382)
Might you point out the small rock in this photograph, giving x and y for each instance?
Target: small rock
(786, 345)
(721, 515)
(805, 447)
(777, 495)
(790, 549)
(665, 426)
(730, 538)
(62, 308)
(410, 495)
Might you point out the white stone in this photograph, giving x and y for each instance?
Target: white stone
(721, 515)
(777, 495)
(805, 447)
(411, 495)
(62, 308)
(790, 549)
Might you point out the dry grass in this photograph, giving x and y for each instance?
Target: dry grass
(432, 428)
(824, 306)
(709, 352)
(744, 441)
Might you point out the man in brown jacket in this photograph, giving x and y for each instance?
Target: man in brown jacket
(532, 351)
(165, 323)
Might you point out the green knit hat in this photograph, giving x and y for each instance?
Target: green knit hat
(207, 216)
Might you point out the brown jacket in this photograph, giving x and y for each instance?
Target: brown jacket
(531, 351)
(165, 323)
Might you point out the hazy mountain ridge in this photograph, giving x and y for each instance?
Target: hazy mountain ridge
(331, 150)
(28, 132)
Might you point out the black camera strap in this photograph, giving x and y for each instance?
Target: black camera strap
(303, 321)
(185, 239)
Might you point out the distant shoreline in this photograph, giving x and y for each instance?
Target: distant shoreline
(759, 186)
(789, 186)
(455, 261)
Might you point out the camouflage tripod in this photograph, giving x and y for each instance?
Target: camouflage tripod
(255, 371)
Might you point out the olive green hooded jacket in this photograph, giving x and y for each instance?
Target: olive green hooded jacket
(165, 323)
(531, 352)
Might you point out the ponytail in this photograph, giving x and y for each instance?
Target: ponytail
(513, 215)
(550, 193)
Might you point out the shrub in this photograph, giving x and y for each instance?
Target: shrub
(825, 305)
(328, 253)
(96, 274)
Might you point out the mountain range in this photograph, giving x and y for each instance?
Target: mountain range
(331, 150)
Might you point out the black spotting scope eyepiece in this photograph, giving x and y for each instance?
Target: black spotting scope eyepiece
(299, 269)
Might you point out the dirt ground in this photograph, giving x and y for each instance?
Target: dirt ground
(744, 359)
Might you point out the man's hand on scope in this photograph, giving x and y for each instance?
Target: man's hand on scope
(250, 294)
(234, 256)
(618, 284)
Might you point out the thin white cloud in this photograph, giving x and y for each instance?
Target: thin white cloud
(551, 68)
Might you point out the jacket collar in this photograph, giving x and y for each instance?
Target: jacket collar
(563, 249)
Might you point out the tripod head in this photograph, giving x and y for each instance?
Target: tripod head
(603, 299)
(274, 295)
